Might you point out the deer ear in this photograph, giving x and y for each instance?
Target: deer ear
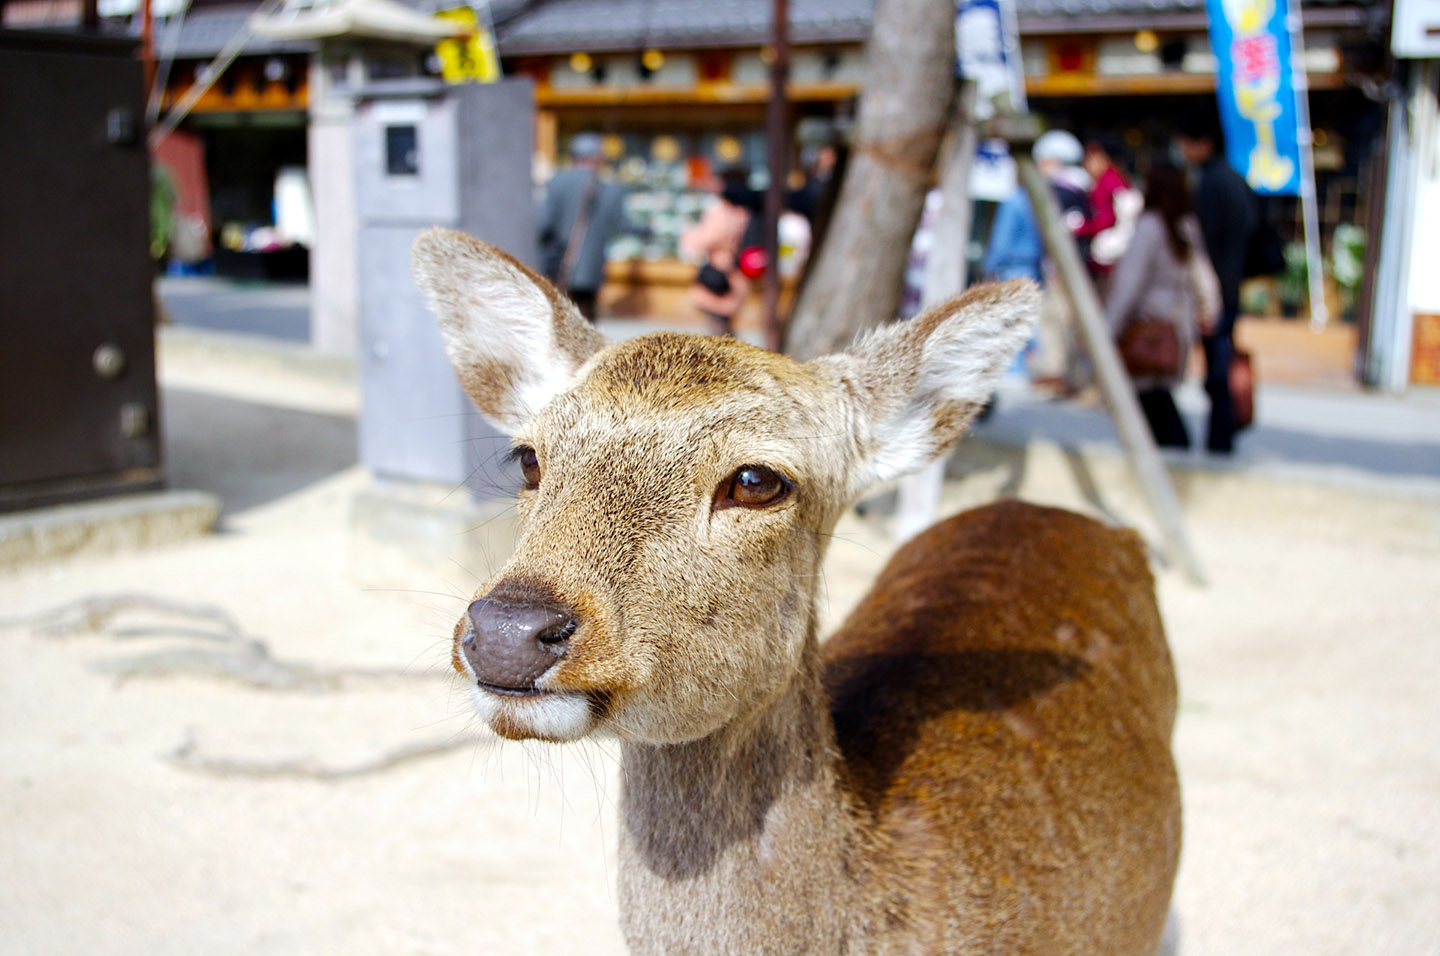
(917, 385)
(515, 342)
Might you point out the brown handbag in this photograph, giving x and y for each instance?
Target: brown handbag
(1242, 390)
(1150, 347)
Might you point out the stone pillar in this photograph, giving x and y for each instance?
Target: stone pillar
(334, 315)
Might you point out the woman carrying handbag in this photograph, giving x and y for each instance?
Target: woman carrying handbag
(1162, 294)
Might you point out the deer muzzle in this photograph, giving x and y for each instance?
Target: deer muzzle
(510, 645)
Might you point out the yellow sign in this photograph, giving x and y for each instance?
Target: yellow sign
(471, 58)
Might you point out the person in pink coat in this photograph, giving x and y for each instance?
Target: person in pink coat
(714, 241)
(1108, 182)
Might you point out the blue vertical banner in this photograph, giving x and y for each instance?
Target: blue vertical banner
(1256, 88)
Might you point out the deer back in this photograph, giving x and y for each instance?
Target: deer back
(1003, 700)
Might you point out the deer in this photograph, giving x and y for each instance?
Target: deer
(977, 761)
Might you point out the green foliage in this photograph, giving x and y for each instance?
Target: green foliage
(162, 210)
(1347, 256)
(1294, 282)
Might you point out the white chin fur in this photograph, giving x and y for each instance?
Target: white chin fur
(554, 716)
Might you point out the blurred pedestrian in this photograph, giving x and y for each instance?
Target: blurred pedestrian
(1226, 210)
(1060, 157)
(582, 210)
(1163, 290)
(817, 166)
(1114, 207)
(714, 244)
(1016, 250)
(793, 239)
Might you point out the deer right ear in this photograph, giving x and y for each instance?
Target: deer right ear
(916, 385)
(515, 342)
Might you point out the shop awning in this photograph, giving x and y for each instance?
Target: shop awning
(358, 19)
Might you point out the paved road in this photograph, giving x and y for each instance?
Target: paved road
(1349, 432)
(275, 310)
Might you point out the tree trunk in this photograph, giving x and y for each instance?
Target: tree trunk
(910, 79)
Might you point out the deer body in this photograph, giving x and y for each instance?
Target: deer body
(977, 762)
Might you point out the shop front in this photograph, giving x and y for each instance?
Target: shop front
(671, 118)
(238, 163)
(671, 124)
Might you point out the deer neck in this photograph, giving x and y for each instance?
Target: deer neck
(747, 832)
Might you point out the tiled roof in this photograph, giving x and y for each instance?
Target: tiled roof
(562, 26)
(1050, 16)
(205, 30)
(558, 26)
(1092, 8)
(551, 26)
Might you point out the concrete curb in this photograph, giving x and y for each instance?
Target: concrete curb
(255, 353)
(106, 526)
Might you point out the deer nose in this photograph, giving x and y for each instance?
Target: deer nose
(510, 645)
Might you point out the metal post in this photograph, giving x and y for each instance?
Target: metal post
(1114, 382)
(147, 45)
(1305, 140)
(778, 158)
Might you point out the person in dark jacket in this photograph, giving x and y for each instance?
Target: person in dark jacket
(573, 256)
(1225, 207)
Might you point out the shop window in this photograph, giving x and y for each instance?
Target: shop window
(1172, 53)
(668, 176)
(402, 151)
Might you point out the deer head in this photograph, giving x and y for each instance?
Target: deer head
(679, 491)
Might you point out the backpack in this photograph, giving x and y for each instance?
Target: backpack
(1110, 244)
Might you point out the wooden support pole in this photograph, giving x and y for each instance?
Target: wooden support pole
(777, 130)
(147, 45)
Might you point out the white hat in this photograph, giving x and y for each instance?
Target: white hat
(1060, 146)
(586, 146)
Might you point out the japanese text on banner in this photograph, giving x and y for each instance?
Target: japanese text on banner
(1257, 92)
(471, 58)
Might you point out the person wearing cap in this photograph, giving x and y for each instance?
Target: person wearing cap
(1015, 250)
(582, 210)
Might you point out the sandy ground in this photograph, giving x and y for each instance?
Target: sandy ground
(165, 787)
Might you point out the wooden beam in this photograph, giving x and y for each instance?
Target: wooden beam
(703, 94)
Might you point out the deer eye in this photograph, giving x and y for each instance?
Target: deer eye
(752, 486)
(529, 466)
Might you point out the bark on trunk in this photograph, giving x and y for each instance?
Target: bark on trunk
(855, 281)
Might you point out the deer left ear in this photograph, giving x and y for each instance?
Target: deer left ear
(917, 385)
(515, 342)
